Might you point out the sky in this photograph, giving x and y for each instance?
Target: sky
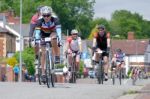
(104, 8)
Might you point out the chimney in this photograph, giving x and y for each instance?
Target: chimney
(11, 13)
(131, 36)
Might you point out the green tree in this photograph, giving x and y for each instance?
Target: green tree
(123, 21)
(28, 57)
(75, 14)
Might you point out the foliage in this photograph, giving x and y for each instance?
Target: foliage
(58, 66)
(12, 61)
(75, 14)
(79, 14)
(81, 67)
(72, 13)
(28, 59)
(124, 21)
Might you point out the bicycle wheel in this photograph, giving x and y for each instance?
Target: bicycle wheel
(113, 77)
(100, 73)
(134, 79)
(73, 71)
(120, 75)
(47, 71)
(39, 68)
(52, 72)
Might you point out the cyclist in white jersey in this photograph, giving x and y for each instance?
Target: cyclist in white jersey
(74, 45)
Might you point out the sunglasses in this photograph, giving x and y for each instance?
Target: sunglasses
(74, 34)
(48, 15)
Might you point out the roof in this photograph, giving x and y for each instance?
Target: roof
(25, 29)
(130, 47)
(3, 30)
(148, 48)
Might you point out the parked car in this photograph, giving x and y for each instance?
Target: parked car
(91, 74)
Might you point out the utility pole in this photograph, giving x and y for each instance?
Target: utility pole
(20, 74)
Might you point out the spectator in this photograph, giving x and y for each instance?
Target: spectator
(16, 72)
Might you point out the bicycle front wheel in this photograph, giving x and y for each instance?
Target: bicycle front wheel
(120, 76)
(100, 73)
(39, 68)
(49, 73)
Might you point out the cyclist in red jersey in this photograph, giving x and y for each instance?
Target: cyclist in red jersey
(34, 20)
(101, 42)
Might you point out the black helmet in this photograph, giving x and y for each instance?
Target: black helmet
(101, 27)
(38, 9)
(118, 50)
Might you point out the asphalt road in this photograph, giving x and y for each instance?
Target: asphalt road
(84, 89)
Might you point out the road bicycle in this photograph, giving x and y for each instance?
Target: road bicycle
(100, 68)
(49, 78)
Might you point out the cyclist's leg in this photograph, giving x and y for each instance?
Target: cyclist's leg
(43, 60)
(106, 66)
(77, 62)
(56, 50)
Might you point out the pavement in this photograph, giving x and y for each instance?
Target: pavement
(83, 89)
(142, 93)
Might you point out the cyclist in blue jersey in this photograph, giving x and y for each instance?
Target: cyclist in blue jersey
(119, 58)
(48, 26)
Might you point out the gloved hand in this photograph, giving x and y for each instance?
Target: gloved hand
(30, 41)
(108, 49)
(94, 49)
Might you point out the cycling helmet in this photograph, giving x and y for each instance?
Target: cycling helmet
(38, 9)
(74, 31)
(118, 50)
(46, 10)
(101, 27)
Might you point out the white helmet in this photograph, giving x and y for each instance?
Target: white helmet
(46, 10)
(74, 31)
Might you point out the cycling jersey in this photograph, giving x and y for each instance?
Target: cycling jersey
(74, 44)
(47, 27)
(101, 40)
(120, 57)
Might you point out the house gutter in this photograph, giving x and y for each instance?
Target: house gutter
(9, 29)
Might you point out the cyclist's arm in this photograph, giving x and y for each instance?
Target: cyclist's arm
(67, 44)
(108, 40)
(33, 24)
(94, 40)
(58, 28)
(80, 44)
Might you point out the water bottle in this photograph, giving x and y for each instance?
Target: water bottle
(37, 34)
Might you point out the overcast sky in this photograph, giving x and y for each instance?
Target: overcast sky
(104, 8)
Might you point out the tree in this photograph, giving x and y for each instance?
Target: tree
(74, 14)
(28, 56)
(12, 61)
(123, 21)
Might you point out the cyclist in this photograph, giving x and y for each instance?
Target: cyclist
(74, 44)
(101, 42)
(34, 20)
(119, 58)
(47, 27)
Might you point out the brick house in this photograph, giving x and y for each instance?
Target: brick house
(7, 42)
(7, 37)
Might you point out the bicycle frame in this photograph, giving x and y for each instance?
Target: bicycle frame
(49, 63)
(73, 68)
(100, 70)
